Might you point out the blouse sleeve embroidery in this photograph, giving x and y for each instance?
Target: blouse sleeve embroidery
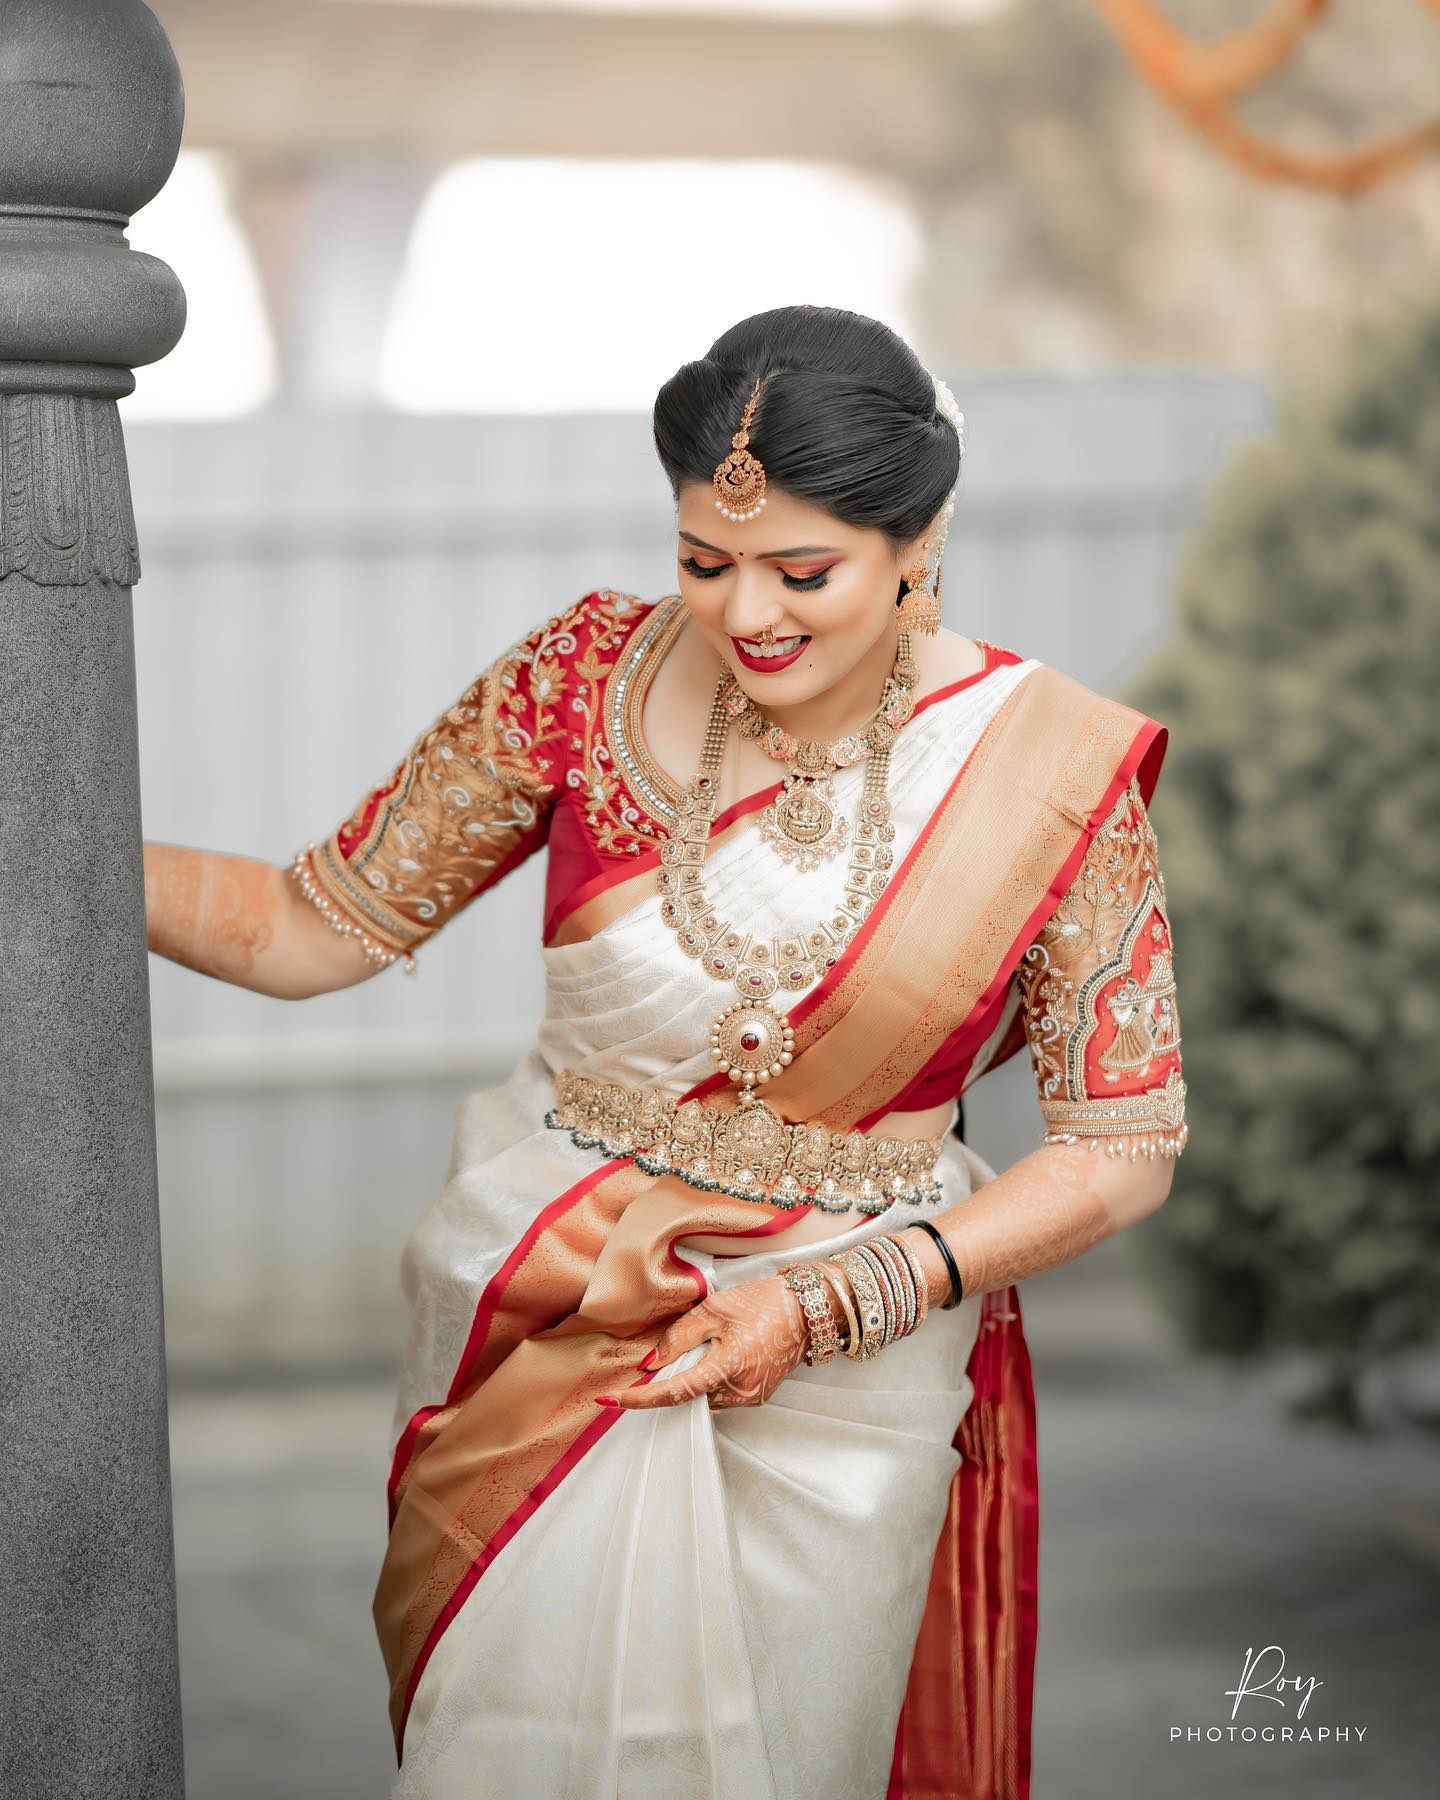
(469, 799)
(1098, 995)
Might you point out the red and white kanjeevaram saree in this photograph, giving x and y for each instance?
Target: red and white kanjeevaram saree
(833, 1594)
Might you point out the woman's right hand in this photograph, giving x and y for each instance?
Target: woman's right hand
(242, 920)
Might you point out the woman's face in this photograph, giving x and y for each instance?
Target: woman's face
(828, 589)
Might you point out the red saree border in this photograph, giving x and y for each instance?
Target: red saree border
(960, 1047)
(585, 1441)
(648, 859)
(486, 1308)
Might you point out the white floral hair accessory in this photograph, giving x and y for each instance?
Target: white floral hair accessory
(946, 402)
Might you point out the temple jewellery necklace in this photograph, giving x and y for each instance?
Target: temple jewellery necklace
(750, 1039)
(803, 824)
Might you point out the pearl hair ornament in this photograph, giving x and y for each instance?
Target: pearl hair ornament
(946, 403)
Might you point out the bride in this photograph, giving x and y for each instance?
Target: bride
(714, 1457)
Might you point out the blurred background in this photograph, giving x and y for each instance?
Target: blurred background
(1181, 266)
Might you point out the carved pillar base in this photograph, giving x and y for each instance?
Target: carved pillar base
(65, 513)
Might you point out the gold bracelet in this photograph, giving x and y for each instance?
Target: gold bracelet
(804, 1280)
(887, 1295)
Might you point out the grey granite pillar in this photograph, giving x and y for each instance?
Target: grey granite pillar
(90, 118)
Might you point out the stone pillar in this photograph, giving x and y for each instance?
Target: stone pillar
(90, 118)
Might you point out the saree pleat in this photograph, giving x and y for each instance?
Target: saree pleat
(830, 1594)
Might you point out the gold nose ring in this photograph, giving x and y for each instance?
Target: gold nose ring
(767, 637)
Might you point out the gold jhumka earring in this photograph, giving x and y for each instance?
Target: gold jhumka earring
(740, 479)
(920, 607)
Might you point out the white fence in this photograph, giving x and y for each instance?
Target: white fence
(317, 587)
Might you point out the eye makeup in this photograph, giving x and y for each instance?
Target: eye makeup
(802, 584)
(691, 567)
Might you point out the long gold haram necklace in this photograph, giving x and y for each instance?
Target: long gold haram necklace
(750, 1040)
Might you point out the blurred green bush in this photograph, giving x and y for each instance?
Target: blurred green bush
(1298, 816)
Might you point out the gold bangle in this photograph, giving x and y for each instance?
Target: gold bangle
(895, 1256)
(868, 1305)
(917, 1273)
(839, 1283)
(885, 1281)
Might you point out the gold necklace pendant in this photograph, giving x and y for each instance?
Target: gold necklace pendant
(803, 825)
(752, 1042)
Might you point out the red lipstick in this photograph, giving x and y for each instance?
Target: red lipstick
(768, 665)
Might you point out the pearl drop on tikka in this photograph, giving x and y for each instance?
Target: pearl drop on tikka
(738, 517)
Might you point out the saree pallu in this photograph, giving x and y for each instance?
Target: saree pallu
(830, 1594)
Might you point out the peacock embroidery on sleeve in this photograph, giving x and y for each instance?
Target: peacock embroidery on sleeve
(1098, 997)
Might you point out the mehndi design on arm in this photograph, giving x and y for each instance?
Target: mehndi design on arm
(210, 912)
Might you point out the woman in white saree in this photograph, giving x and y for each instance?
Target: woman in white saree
(647, 1537)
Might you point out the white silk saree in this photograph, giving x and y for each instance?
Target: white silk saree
(832, 1594)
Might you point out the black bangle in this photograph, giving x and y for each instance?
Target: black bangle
(957, 1292)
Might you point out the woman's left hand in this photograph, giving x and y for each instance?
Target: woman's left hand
(759, 1335)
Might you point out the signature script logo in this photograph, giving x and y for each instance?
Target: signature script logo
(1253, 1688)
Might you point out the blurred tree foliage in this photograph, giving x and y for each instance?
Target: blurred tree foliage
(1298, 815)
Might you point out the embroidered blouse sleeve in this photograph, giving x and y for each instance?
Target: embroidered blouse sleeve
(469, 800)
(1098, 999)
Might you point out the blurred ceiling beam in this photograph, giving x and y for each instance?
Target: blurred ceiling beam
(289, 81)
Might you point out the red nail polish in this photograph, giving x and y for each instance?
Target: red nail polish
(645, 1360)
(606, 1400)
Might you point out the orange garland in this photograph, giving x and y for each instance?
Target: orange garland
(1202, 81)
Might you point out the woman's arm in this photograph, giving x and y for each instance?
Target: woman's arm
(468, 801)
(244, 921)
(1045, 1210)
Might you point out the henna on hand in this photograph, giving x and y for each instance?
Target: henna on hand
(759, 1335)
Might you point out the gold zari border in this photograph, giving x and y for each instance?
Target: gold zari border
(1152, 1122)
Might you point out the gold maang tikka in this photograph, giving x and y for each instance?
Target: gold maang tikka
(740, 479)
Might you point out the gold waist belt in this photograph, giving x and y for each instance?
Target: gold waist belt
(750, 1153)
